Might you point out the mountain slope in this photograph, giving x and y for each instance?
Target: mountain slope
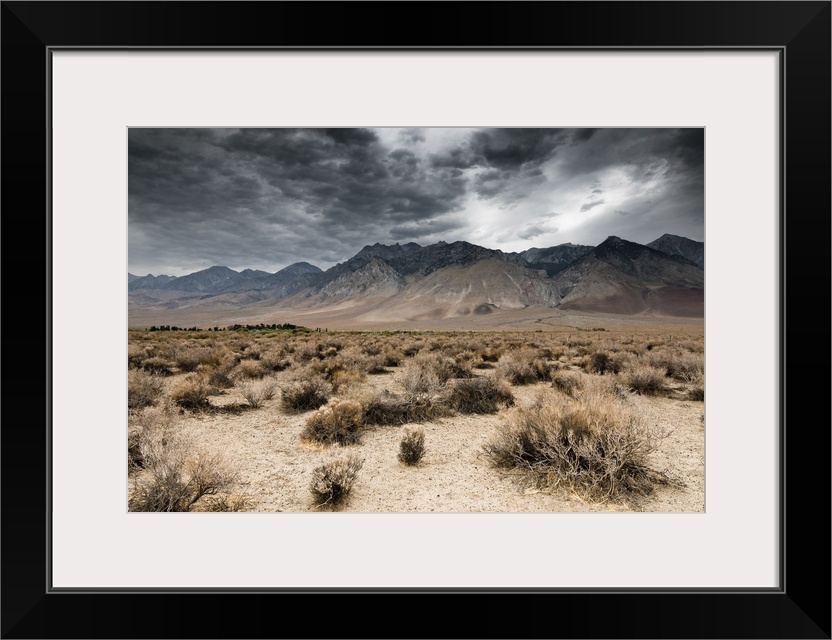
(554, 259)
(623, 277)
(679, 246)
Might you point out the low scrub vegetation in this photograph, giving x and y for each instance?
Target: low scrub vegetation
(143, 389)
(177, 474)
(256, 392)
(412, 445)
(333, 480)
(479, 395)
(270, 389)
(336, 423)
(306, 394)
(591, 445)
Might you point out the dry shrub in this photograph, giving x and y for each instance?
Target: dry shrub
(336, 423)
(568, 383)
(646, 380)
(412, 445)
(479, 395)
(256, 392)
(685, 367)
(275, 361)
(419, 380)
(305, 394)
(391, 357)
(601, 363)
(333, 480)
(192, 392)
(143, 389)
(177, 474)
(220, 375)
(344, 379)
(188, 357)
(248, 369)
(386, 408)
(443, 367)
(157, 365)
(592, 445)
(522, 367)
(697, 394)
(143, 426)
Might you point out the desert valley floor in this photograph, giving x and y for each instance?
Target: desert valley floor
(273, 464)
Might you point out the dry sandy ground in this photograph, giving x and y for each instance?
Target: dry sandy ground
(455, 476)
(350, 319)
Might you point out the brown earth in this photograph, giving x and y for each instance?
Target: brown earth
(454, 476)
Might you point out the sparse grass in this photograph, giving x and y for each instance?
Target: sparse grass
(412, 445)
(333, 480)
(593, 445)
(336, 423)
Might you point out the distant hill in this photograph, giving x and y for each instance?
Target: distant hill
(445, 280)
(624, 277)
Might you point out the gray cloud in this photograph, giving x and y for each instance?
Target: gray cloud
(264, 198)
(590, 205)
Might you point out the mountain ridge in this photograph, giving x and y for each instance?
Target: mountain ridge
(454, 279)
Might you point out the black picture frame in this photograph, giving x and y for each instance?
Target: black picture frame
(799, 608)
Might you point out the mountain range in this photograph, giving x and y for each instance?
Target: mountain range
(413, 283)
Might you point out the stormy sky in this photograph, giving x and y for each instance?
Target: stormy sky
(266, 198)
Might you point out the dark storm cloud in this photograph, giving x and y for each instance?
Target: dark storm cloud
(264, 198)
(513, 148)
(188, 184)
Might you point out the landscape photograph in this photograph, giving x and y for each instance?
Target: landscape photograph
(420, 320)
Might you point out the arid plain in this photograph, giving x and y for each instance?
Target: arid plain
(436, 420)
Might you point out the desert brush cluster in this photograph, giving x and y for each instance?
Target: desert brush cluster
(293, 420)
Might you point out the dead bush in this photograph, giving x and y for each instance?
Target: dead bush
(177, 475)
(479, 395)
(333, 480)
(248, 370)
(697, 394)
(143, 389)
(568, 383)
(646, 380)
(386, 408)
(601, 363)
(336, 423)
(192, 392)
(187, 357)
(305, 394)
(593, 445)
(522, 367)
(256, 392)
(412, 445)
(157, 365)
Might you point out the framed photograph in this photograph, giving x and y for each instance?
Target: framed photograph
(138, 135)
